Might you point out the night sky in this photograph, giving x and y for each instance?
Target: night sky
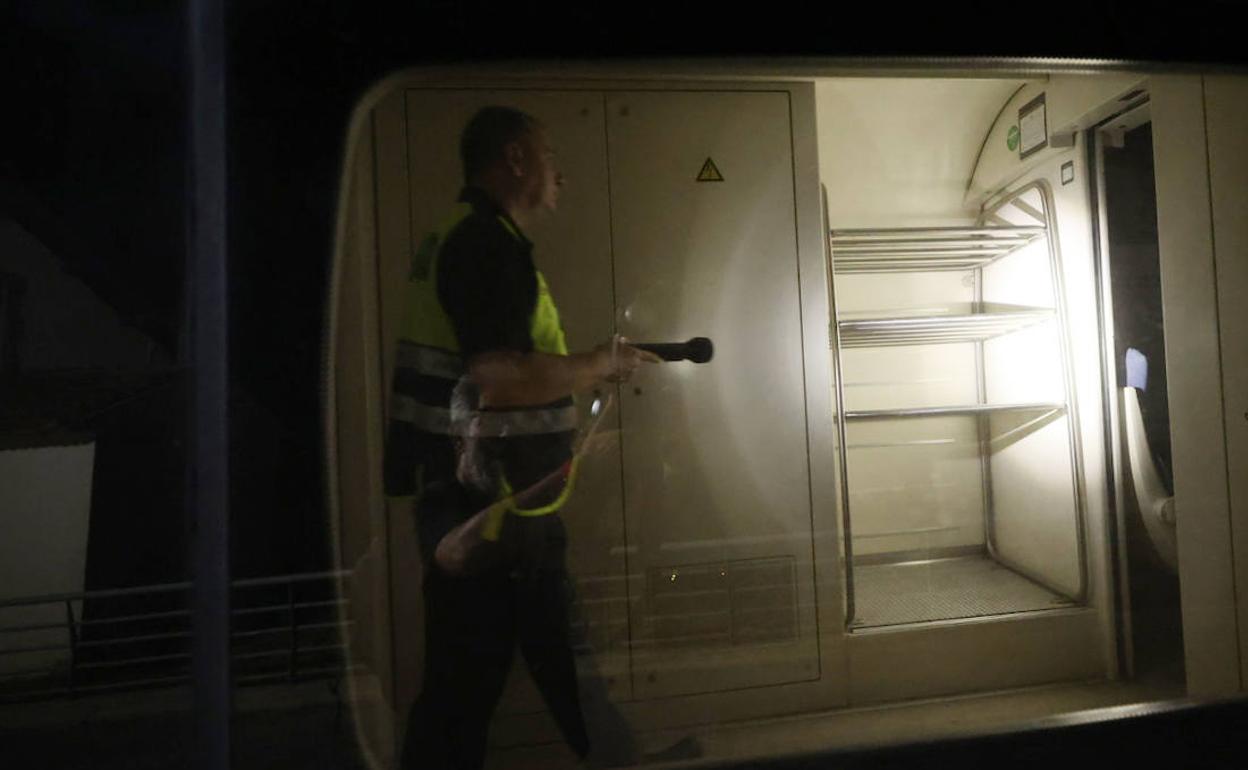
(95, 138)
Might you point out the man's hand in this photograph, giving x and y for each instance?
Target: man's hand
(618, 360)
(511, 379)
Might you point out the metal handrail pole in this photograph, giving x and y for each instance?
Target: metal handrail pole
(73, 643)
(71, 681)
(26, 601)
(842, 432)
(301, 577)
(294, 632)
(105, 593)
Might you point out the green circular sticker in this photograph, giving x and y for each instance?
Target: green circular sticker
(1011, 138)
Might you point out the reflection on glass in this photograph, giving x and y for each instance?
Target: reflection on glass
(785, 528)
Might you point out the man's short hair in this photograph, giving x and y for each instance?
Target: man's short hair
(487, 133)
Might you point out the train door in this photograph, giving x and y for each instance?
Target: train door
(1137, 408)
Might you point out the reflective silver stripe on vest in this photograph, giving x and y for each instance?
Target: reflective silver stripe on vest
(431, 361)
(528, 422)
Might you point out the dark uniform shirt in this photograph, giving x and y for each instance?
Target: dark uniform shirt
(487, 285)
(487, 282)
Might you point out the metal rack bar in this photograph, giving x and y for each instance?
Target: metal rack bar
(935, 232)
(943, 411)
(842, 448)
(921, 250)
(967, 249)
(914, 262)
(852, 245)
(877, 267)
(974, 327)
(1013, 198)
(1028, 209)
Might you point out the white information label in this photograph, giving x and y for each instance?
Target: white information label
(1068, 172)
(1032, 127)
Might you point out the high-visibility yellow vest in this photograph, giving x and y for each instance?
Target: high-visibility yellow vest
(427, 324)
(429, 353)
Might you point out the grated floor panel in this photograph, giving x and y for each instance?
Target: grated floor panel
(946, 589)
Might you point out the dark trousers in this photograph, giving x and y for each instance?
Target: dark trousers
(472, 628)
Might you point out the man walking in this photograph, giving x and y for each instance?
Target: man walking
(481, 325)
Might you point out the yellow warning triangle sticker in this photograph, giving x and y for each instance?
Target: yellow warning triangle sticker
(709, 172)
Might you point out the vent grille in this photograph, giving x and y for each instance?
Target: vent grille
(721, 604)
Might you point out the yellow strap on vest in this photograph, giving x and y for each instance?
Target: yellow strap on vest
(510, 228)
(426, 323)
(544, 327)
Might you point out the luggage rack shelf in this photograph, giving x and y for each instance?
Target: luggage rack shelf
(990, 321)
(950, 411)
(1011, 282)
(929, 249)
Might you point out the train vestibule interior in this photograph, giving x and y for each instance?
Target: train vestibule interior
(931, 457)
